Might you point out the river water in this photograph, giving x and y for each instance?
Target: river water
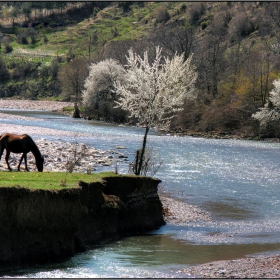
(236, 181)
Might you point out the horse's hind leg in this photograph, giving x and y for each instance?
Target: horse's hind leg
(7, 159)
(1, 150)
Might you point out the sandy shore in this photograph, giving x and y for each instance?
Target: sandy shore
(176, 212)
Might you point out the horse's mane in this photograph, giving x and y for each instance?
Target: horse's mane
(35, 147)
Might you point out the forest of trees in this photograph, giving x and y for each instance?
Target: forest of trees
(235, 49)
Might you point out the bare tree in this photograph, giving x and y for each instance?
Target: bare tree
(210, 54)
(259, 73)
(72, 77)
(210, 63)
(117, 50)
(174, 38)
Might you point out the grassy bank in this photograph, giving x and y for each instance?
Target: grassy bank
(48, 180)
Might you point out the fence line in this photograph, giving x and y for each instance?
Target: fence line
(33, 56)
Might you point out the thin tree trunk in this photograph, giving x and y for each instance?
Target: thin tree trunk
(142, 151)
(136, 162)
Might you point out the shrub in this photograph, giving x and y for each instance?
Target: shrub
(95, 11)
(53, 68)
(183, 8)
(196, 10)
(189, 117)
(125, 5)
(46, 39)
(8, 48)
(4, 73)
(241, 26)
(204, 24)
(151, 163)
(161, 14)
(115, 31)
(23, 40)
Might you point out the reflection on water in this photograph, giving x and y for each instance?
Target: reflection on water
(236, 181)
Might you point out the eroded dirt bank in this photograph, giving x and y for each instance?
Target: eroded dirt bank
(38, 226)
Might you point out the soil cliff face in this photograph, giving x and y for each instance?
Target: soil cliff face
(38, 226)
(120, 206)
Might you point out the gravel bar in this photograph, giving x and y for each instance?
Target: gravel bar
(26, 105)
(253, 267)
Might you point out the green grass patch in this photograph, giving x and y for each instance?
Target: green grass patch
(68, 109)
(48, 180)
(52, 98)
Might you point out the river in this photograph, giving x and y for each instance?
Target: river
(236, 181)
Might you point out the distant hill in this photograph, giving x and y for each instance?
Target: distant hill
(235, 45)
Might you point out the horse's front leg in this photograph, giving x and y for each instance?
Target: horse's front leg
(7, 159)
(25, 161)
(18, 168)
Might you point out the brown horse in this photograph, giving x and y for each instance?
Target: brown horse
(20, 144)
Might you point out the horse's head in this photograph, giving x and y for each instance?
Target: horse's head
(40, 164)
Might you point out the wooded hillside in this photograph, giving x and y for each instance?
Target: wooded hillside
(235, 48)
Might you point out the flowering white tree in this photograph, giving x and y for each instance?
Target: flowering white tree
(154, 92)
(99, 85)
(270, 113)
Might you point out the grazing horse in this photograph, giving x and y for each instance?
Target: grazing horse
(20, 144)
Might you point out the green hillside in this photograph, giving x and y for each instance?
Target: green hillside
(235, 47)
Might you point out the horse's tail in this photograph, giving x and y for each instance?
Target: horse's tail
(1, 146)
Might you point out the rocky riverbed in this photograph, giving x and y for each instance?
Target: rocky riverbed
(177, 212)
(59, 153)
(262, 267)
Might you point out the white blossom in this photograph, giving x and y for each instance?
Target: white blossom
(275, 94)
(101, 79)
(271, 110)
(154, 92)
